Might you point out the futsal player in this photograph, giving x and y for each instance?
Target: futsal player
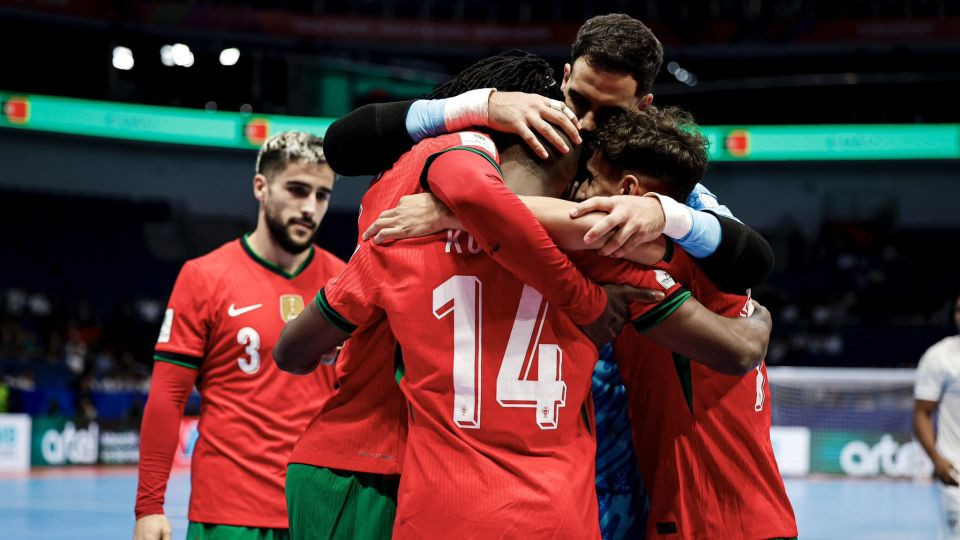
(614, 61)
(702, 436)
(501, 469)
(342, 478)
(224, 316)
(693, 422)
(936, 391)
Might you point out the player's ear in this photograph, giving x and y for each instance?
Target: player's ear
(259, 186)
(630, 185)
(645, 102)
(566, 75)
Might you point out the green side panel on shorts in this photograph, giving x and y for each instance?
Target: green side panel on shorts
(340, 505)
(208, 531)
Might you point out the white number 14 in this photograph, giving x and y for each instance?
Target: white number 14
(462, 296)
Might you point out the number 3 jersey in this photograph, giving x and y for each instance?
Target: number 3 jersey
(224, 316)
(500, 434)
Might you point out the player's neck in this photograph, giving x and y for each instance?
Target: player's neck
(266, 248)
(524, 179)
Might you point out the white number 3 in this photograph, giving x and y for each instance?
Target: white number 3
(249, 337)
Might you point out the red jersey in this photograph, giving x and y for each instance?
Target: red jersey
(703, 438)
(224, 316)
(500, 430)
(361, 426)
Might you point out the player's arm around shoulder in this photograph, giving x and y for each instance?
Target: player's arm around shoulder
(306, 338)
(730, 345)
(344, 303)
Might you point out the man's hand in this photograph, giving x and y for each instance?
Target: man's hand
(617, 313)
(153, 527)
(519, 113)
(633, 221)
(944, 471)
(415, 216)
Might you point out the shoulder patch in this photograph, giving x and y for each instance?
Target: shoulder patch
(479, 140)
(664, 279)
(166, 326)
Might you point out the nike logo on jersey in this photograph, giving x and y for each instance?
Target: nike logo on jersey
(236, 312)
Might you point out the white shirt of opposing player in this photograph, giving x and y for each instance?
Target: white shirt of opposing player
(938, 379)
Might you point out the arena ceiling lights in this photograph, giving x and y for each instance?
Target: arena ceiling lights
(122, 58)
(177, 54)
(229, 57)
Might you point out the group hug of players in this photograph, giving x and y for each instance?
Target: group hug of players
(546, 328)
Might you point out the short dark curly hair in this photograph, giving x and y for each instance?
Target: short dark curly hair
(661, 143)
(621, 44)
(512, 71)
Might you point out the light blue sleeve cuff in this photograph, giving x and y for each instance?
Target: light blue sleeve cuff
(425, 118)
(704, 236)
(702, 199)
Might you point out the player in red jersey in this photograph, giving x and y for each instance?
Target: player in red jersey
(637, 153)
(225, 313)
(702, 437)
(503, 471)
(343, 471)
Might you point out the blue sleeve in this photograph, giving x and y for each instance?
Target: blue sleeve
(702, 199)
(704, 235)
(425, 118)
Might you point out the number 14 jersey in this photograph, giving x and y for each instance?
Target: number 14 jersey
(500, 437)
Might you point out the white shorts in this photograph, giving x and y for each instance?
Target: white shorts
(949, 512)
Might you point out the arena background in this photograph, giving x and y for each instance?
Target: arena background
(127, 142)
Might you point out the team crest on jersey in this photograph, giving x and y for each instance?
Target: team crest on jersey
(664, 279)
(291, 305)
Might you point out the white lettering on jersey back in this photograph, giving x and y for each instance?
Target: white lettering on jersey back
(453, 240)
(453, 243)
(472, 245)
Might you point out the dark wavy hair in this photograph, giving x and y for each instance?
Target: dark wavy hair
(661, 143)
(621, 44)
(512, 71)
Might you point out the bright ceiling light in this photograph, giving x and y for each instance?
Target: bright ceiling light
(177, 54)
(122, 58)
(229, 57)
(166, 56)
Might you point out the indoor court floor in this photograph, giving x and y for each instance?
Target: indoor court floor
(97, 503)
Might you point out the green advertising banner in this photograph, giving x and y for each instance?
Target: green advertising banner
(148, 123)
(172, 125)
(58, 441)
(867, 453)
